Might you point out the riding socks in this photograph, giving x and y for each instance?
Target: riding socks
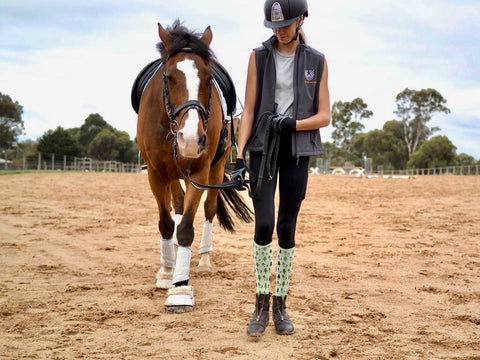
(262, 256)
(292, 176)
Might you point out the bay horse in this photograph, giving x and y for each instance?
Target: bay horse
(180, 126)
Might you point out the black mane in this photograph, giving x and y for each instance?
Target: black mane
(182, 38)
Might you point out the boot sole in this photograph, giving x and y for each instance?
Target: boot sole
(285, 332)
(256, 335)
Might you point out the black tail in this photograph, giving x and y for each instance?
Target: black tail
(227, 200)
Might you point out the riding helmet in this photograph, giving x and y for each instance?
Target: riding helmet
(280, 13)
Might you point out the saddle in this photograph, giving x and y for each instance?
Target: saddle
(221, 76)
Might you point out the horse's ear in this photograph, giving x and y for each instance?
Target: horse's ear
(207, 36)
(164, 36)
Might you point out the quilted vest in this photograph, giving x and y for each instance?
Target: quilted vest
(308, 70)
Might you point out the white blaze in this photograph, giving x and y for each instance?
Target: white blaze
(190, 70)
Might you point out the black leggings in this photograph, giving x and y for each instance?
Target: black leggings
(293, 176)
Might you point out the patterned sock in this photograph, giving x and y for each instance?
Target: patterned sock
(262, 256)
(284, 270)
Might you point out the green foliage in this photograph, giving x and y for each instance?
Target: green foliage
(59, 141)
(92, 126)
(346, 117)
(112, 145)
(11, 123)
(436, 152)
(415, 109)
(464, 159)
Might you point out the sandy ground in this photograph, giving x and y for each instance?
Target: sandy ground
(385, 269)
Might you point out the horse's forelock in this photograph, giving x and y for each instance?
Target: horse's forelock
(182, 38)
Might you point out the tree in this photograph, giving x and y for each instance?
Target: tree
(127, 150)
(92, 126)
(60, 142)
(102, 146)
(377, 145)
(11, 123)
(399, 158)
(346, 117)
(464, 159)
(436, 152)
(415, 110)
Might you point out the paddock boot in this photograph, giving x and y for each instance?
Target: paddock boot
(283, 324)
(259, 321)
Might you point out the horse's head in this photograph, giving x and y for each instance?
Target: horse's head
(187, 86)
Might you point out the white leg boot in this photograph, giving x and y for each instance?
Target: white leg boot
(167, 259)
(180, 299)
(206, 247)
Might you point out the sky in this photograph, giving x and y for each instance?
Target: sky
(64, 60)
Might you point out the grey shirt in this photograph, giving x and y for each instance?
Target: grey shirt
(284, 65)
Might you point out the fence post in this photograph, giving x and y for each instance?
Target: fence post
(53, 161)
(39, 163)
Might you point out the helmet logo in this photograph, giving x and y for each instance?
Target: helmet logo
(277, 13)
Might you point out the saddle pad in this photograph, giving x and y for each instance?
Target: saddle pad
(221, 76)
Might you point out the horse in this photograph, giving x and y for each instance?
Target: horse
(182, 134)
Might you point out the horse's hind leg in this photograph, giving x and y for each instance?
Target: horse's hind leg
(166, 227)
(206, 243)
(210, 207)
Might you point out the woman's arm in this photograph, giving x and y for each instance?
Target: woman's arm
(322, 117)
(246, 122)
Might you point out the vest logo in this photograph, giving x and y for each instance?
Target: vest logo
(277, 14)
(309, 74)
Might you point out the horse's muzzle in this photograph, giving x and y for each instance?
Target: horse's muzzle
(190, 145)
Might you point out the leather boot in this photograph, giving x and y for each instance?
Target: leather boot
(259, 320)
(283, 324)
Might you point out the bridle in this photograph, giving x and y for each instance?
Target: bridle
(183, 109)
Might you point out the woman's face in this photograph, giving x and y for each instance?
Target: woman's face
(287, 33)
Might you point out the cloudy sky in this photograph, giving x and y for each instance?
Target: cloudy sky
(63, 60)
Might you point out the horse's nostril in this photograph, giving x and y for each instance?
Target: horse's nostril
(202, 141)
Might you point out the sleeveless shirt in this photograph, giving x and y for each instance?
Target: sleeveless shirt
(284, 85)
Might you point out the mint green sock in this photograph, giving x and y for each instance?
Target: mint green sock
(262, 257)
(284, 270)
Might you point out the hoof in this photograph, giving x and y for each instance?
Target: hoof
(204, 265)
(180, 300)
(204, 269)
(178, 309)
(164, 279)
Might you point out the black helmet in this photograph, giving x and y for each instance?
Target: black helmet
(280, 13)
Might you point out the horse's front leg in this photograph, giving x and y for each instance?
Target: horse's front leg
(161, 192)
(180, 298)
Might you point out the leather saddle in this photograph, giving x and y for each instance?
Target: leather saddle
(221, 76)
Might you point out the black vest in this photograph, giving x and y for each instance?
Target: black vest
(308, 70)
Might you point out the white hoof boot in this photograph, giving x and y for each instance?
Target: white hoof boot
(164, 278)
(180, 299)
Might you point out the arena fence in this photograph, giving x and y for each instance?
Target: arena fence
(42, 161)
(324, 167)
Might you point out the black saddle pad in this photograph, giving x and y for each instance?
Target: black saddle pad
(219, 72)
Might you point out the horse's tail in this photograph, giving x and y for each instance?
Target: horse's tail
(227, 200)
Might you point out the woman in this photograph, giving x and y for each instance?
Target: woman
(288, 80)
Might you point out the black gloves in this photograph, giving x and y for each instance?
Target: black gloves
(238, 174)
(282, 124)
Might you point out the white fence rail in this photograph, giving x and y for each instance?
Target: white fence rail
(358, 171)
(67, 163)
